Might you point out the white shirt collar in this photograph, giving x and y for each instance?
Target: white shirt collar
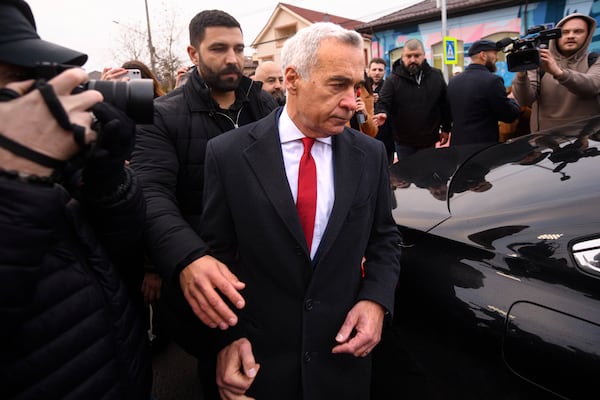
(288, 131)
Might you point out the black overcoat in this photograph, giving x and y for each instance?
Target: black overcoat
(295, 307)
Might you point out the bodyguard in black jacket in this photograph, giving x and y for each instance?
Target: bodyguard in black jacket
(415, 102)
(169, 160)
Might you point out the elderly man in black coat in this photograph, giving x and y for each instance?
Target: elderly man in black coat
(314, 311)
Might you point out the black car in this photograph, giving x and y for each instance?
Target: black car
(499, 292)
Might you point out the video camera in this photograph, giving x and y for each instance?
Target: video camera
(134, 97)
(522, 53)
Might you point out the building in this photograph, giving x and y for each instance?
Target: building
(286, 20)
(468, 21)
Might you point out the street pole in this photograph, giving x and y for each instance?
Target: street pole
(150, 46)
(444, 34)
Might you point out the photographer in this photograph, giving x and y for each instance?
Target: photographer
(566, 86)
(70, 328)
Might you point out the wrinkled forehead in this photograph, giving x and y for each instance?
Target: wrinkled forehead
(334, 53)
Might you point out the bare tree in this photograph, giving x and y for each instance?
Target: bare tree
(169, 48)
(132, 45)
(166, 41)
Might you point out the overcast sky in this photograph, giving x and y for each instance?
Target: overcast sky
(87, 25)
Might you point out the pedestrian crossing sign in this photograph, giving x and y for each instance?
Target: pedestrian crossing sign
(450, 56)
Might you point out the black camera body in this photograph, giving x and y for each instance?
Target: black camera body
(522, 53)
(134, 97)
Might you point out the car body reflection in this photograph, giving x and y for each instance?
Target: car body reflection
(492, 301)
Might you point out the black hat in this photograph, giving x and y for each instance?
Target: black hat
(482, 45)
(21, 45)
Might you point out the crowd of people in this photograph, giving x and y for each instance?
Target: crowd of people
(254, 213)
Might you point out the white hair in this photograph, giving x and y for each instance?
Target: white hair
(300, 51)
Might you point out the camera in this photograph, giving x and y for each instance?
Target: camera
(134, 97)
(522, 53)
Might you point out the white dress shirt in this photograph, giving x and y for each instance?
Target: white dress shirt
(292, 149)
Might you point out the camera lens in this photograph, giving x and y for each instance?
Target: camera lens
(135, 97)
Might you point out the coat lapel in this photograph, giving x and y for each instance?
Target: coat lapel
(348, 164)
(266, 161)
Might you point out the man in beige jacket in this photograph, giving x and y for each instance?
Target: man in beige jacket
(566, 86)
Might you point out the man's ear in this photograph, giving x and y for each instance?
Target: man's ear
(290, 79)
(194, 54)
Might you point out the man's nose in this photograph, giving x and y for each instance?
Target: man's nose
(231, 57)
(349, 100)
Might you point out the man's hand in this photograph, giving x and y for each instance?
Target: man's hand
(379, 119)
(548, 63)
(28, 121)
(236, 370)
(180, 74)
(366, 319)
(151, 286)
(198, 282)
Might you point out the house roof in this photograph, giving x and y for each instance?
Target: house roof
(428, 10)
(317, 16)
(309, 16)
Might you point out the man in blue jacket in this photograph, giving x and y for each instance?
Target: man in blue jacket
(478, 99)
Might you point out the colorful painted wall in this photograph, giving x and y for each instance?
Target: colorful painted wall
(490, 24)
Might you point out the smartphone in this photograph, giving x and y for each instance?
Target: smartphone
(133, 73)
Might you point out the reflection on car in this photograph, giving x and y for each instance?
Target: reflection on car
(499, 292)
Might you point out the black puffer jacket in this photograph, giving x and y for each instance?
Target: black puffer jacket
(69, 327)
(417, 111)
(169, 161)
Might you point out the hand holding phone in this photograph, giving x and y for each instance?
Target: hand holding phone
(120, 74)
(360, 116)
(133, 73)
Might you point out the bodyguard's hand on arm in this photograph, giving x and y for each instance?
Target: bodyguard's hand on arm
(198, 282)
(236, 370)
(366, 319)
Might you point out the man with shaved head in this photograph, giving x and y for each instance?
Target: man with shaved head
(271, 76)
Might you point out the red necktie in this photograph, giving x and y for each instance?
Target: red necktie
(306, 203)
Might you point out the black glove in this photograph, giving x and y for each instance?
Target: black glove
(104, 168)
